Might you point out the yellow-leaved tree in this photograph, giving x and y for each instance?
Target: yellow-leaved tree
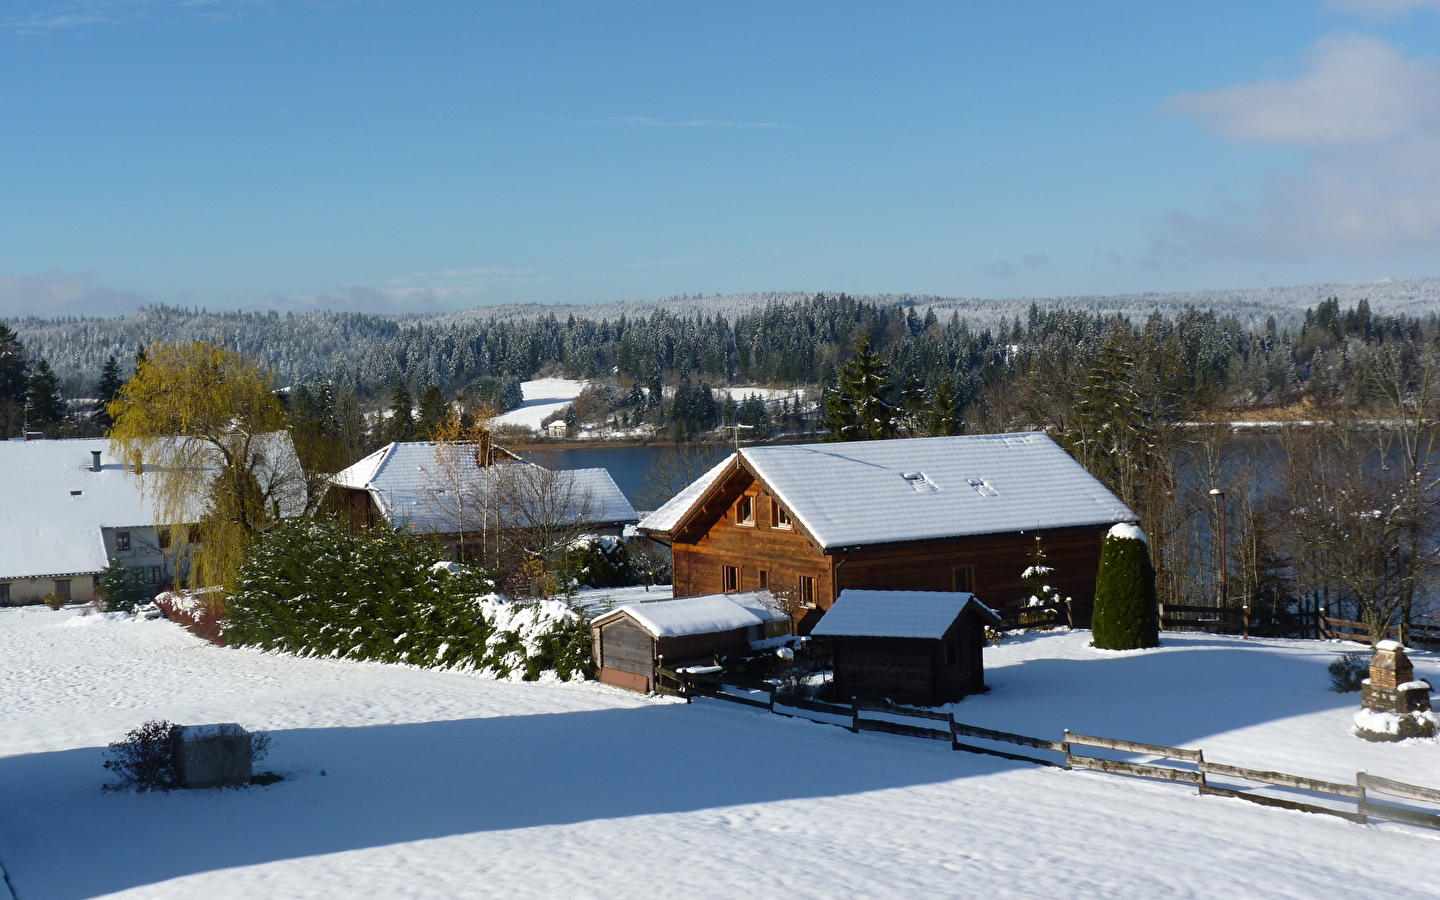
(203, 430)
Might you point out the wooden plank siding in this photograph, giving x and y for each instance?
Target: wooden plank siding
(712, 539)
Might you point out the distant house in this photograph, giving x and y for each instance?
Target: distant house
(449, 489)
(558, 429)
(632, 641)
(917, 647)
(929, 514)
(67, 509)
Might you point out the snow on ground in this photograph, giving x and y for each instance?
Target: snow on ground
(409, 783)
(542, 397)
(770, 395)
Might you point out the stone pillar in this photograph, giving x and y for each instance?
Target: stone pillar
(1395, 705)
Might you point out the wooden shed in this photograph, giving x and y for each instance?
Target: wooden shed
(919, 647)
(631, 641)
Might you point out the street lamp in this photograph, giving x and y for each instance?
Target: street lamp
(1219, 496)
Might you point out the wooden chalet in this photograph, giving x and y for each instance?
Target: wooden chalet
(632, 641)
(928, 514)
(920, 647)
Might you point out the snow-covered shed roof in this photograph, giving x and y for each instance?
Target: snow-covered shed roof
(53, 507)
(709, 614)
(415, 481)
(897, 614)
(861, 493)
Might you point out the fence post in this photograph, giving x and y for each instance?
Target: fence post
(1320, 624)
(1065, 747)
(855, 715)
(772, 697)
(1160, 617)
(1360, 802)
(1246, 621)
(1200, 765)
(1069, 620)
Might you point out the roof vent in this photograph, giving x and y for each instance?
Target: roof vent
(94, 460)
(76, 493)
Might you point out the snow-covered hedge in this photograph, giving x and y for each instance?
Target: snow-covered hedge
(320, 589)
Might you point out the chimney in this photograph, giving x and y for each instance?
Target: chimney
(94, 460)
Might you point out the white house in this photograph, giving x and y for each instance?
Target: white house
(448, 489)
(67, 508)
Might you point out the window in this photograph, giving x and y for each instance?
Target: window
(729, 579)
(764, 578)
(193, 537)
(778, 516)
(122, 540)
(153, 575)
(807, 590)
(5, 594)
(63, 588)
(964, 577)
(164, 539)
(745, 511)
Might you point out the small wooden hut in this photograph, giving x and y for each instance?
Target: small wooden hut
(919, 647)
(631, 641)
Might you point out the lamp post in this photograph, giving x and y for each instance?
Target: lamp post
(1219, 496)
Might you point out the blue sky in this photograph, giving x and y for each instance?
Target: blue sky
(386, 155)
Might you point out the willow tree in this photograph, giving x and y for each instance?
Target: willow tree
(201, 427)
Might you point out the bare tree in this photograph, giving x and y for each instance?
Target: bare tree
(540, 513)
(460, 484)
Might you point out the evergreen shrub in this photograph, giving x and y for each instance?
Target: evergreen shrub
(121, 589)
(598, 561)
(1348, 672)
(319, 588)
(1126, 609)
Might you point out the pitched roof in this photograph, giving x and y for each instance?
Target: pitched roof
(862, 493)
(52, 506)
(411, 481)
(708, 614)
(896, 614)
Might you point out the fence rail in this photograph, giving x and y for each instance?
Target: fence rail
(1363, 793)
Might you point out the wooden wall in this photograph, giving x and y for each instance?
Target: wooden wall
(912, 670)
(715, 539)
(996, 563)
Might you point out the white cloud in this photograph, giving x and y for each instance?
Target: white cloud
(55, 293)
(1358, 89)
(1367, 120)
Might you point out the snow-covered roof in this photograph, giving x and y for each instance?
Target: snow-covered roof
(878, 492)
(672, 512)
(52, 507)
(896, 614)
(708, 614)
(414, 481)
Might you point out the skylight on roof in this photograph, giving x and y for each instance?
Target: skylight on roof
(919, 482)
(981, 487)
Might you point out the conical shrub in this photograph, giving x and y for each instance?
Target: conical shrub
(1126, 610)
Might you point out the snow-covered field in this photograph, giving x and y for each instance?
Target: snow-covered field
(410, 783)
(542, 398)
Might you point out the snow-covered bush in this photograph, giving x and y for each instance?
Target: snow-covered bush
(598, 561)
(145, 759)
(322, 589)
(1348, 671)
(55, 600)
(1126, 609)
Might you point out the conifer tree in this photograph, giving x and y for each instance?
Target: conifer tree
(13, 371)
(857, 409)
(1126, 613)
(944, 415)
(106, 390)
(43, 406)
(433, 412)
(400, 424)
(1112, 433)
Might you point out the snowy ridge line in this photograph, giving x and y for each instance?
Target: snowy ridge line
(711, 685)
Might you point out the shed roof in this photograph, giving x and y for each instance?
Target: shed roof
(410, 481)
(863, 493)
(708, 614)
(897, 614)
(52, 507)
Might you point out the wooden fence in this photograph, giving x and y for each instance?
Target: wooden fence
(1422, 636)
(1370, 797)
